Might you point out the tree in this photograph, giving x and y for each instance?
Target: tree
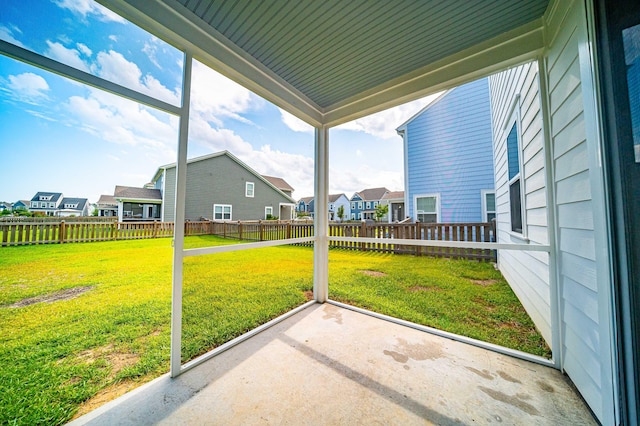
(381, 210)
(340, 213)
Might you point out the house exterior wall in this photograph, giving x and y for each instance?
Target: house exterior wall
(448, 153)
(584, 286)
(221, 180)
(333, 208)
(515, 96)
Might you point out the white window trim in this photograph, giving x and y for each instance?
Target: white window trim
(268, 210)
(246, 189)
(483, 195)
(223, 206)
(415, 205)
(515, 118)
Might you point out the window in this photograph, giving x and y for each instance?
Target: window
(488, 205)
(353, 206)
(353, 216)
(221, 212)
(360, 205)
(52, 205)
(248, 189)
(515, 187)
(427, 207)
(375, 204)
(268, 212)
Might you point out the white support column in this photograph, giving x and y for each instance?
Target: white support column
(178, 232)
(321, 214)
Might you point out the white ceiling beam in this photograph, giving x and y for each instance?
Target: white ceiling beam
(175, 24)
(506, 50)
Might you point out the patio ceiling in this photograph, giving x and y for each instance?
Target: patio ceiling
(332, 61)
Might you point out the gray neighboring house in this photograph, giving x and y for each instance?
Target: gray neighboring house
(73, 207)
(107, 206)
(137, 203)
(46, 202)
(221, 187)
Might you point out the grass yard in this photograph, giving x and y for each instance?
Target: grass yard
(81, 324)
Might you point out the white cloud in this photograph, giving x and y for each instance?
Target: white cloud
(85, 8)
(28, 87)
(351, 180)
(384, 123)
(214, 96)
(121, 121)
(294, 123)
(7, 34)
(84, 49)
(113, 66)
(113, 38)
(151, 50)
(67, 56)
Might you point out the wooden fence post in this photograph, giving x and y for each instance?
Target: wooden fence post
(61, 232)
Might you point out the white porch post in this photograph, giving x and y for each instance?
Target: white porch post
(321, 222)
(178, 232)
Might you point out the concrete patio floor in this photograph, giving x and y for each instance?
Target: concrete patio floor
(328, 365)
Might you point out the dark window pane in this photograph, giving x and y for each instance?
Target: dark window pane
(512, 152)
(631, 40)
(516, 206)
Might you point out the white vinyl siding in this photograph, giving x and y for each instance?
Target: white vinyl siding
(222, 212)
(583, 276)
(515, 99)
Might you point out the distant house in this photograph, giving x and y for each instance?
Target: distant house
(364, 203)
(280, 183)
(395, 201)
(6, 206)
(221, 187)
(305, 205)
(46, 203)
(73, 207)
(21, 204)
(448, 156)
(107, 206)
(335, 201)
(137, 203)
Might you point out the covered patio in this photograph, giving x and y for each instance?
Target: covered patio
(330, 365)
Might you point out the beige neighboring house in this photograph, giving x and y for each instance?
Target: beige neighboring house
(280, 183)
(107, 206)
(395, 201)
(137, 203)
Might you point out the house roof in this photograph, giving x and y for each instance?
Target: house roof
(334, 197)
(55, 196)
(279, 183)
(372, 194)
(107, 200)
(330, 62)
(306, 200)
(393, 195)
(130, 192)
(81, 202)
(234, 158)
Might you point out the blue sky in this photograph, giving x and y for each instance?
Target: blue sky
(60, 136)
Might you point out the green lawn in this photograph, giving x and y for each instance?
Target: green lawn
(74, 353)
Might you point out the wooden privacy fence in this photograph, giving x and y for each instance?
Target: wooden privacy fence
(471, 232)
(62, 231)
(52, 232)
